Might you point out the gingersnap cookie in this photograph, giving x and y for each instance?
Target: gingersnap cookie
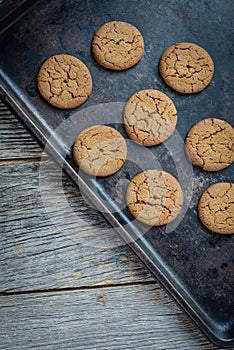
(210, 144)
(216, 208)
(64, 81)
(154, 197)
(186, 68)
(150, 117)
(100, 150)
(117, 45)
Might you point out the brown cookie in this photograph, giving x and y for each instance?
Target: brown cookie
(210, 144)
(100, 150)
(186, 68)
(150, 117)
(64, 81)
(154, 197)
(117, 45)
(216, 208)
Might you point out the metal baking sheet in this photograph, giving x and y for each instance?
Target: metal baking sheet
(193, 264)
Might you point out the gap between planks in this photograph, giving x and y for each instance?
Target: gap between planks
(71, 289)
(24, 160)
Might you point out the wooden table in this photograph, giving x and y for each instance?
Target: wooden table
(63, 288)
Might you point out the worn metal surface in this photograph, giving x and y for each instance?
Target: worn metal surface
(195, 265)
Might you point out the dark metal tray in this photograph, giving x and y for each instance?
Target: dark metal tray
(193, 264)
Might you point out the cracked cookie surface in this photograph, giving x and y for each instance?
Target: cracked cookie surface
(117, 45)
(100, 150)
(64, 81)
(154, 197)
(210, 144)
(150, 117)
(216, 208)
(186, 67)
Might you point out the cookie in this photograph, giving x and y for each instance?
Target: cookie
(186, 68)
(117, 45)
(210, 144)
(100, 150)
(64, 81)
(150, 117)
(216, 208)
(154, 197)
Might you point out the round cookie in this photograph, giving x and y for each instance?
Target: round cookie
(154, 197)
(64, 81)
(186, 68)
(210, 144)
(216, 208)
(150, 117)
(100, 150)
(117, 45)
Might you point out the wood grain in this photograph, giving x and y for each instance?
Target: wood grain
(15, 141)
(62, 248)
(124, 317)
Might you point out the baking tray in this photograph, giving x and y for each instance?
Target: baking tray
(193, 264)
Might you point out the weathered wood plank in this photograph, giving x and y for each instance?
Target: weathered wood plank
(37, 254)
(126, 317)
(15, 141)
